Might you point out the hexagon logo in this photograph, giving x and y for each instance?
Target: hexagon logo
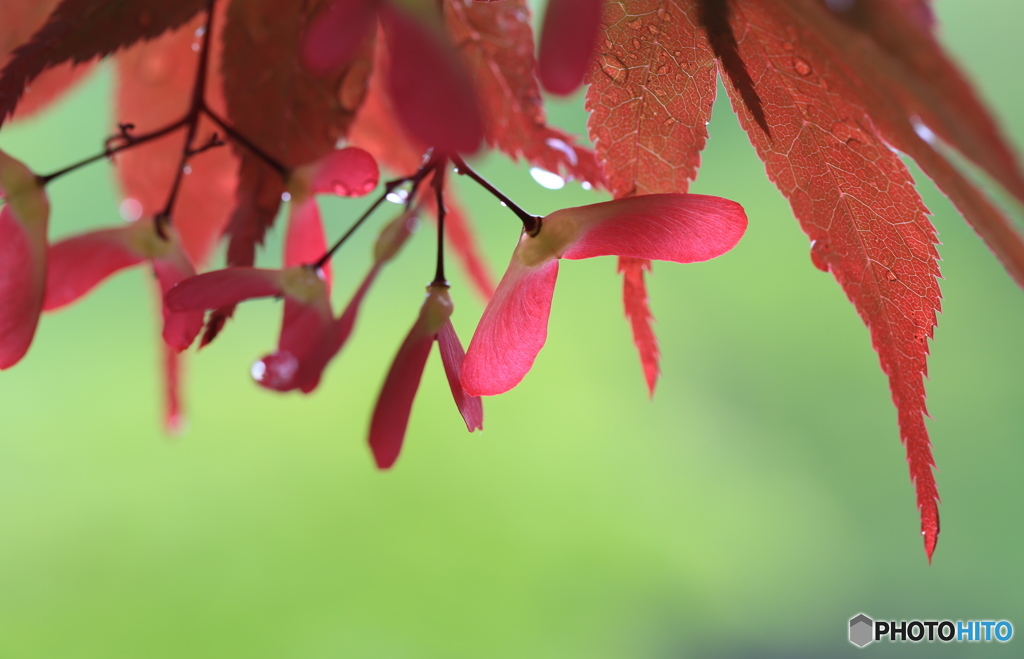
(862, 630)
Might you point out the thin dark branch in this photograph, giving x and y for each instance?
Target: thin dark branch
(230, 131)
(192, 119)
(431, 164)
(110, 151)
(531, 223)
(438, 185)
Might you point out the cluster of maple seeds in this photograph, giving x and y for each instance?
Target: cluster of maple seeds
(40, 276)
(827, 91)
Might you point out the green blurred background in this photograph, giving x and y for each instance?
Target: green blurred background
(750, 510)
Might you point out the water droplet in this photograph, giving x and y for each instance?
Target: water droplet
(549, 180)
(286, 196)
(196, 46)
(801, 66)
(186, 170)
(586, 185)
(276, 370)
(821, 252)
(398, 196)
(368, 185)
(669, 121)
(663, 69)
(922, 130)
(200, 32)
(341, 189)
(503, 204)
(613, 68)
(130, 209)
(560, 145)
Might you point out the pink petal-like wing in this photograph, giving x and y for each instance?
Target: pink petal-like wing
(79, 264)
(305, 326)
(452, 355)
(335, 35)
(311, 369)
(348, 172)
(684, 228)
(567, 43)
(389, 242)
(391, 416)
(431, 91)
(512, 329)
(180, 327)
(22, 284)
(223, 288)
(305, 243)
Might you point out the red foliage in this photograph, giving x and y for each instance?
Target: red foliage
(826, 92)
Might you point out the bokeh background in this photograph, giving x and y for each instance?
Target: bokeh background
(749, 510)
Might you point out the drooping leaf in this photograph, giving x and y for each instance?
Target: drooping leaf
(19, 19)
(80, 30)
(50, 86)
(869, 74)
(638, 311)
(857, 203)
(908, 60)
(650, 100)
(496, 43)
(650, 96)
